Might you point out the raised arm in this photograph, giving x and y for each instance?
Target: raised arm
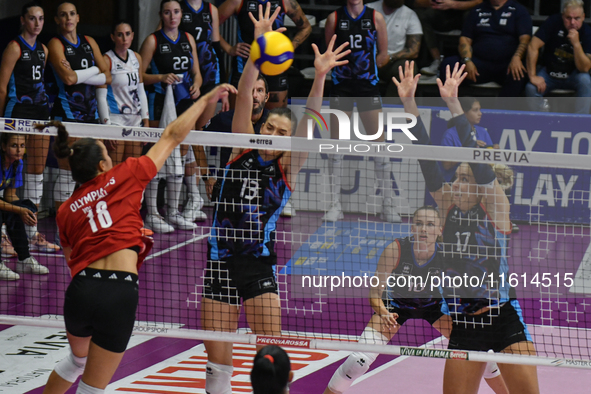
(177, 131)
(241, 123)
(434, 180)
(323, 64)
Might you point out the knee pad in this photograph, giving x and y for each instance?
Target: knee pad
(64, 186)
(70, 367)
(352, 369)
(217, 378)
(83, 388)
(34, 187)
(491, 371)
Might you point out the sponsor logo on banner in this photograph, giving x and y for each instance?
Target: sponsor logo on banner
(434, 353)
(152, 134)
(260, 141)
(291, 342)
(499, 156)
(24, 126)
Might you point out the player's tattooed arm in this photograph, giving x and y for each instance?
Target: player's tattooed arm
(411, 50)
(465, 47)
(522, 48)
(294, 11)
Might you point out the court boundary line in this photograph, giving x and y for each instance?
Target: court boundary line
(177, 246)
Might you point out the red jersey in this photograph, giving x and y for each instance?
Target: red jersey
(103, 215)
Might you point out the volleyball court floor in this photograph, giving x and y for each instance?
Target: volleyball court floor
(168, 293)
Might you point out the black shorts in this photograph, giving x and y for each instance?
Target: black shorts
(101, 304)
(430, 314)
(489, 331)
(181, 107)
(21, 111)
(342, 96)
(277, 83)
(244, 277)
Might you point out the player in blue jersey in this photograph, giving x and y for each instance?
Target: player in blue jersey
(416, 256)
(278, 84)
(23, 96)
(365, 29)
(79, 67)
(171, 54)
(16, 213)
(475, 240)
(241, 248)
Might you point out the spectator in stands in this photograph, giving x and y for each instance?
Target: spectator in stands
(566, 59)
(493, 43)
(404, 38)
(443, 16)
(471, 107)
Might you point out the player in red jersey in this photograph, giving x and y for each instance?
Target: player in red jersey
(100, 232)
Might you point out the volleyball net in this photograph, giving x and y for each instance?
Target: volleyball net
(327, 261)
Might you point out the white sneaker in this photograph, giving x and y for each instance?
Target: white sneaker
(288, 210)
(180, 222)
(31, 266)
(157, 224)
(389, 213)
(334, 213)
(432, 69)
(39, 243)
(192, 211)
(7, 274)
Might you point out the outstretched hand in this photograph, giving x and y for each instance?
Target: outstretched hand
(220, 92)
(407, 86)
(324, 62)
(453, 79)
(265, 22)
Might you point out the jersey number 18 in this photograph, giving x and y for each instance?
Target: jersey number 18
(103, 216)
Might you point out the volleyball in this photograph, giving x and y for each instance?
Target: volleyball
(272, 53)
